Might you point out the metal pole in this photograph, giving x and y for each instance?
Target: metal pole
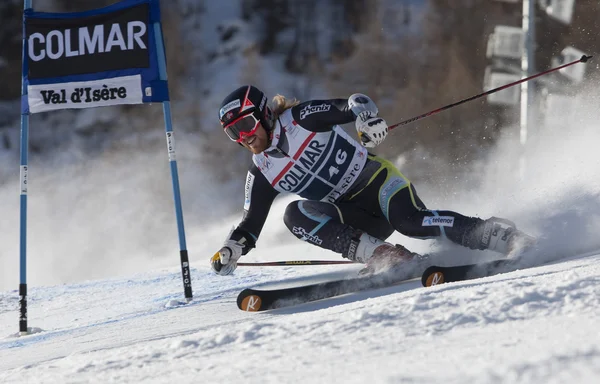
(583, 59)
(23, 329)
(527, 67)
(183, 253)
(288, 263)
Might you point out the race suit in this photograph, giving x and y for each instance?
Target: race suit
(345, 190)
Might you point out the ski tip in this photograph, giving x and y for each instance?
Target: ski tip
(432, 276)
(249, 301)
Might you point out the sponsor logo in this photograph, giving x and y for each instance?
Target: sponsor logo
(23, 313)
(88, 40)
(186, 273)
(435, 279)
(251, 303)
(441, 221)
(487, 231)
(352, 250)
(262, 103)
(98, 93)
(390, 188)
(292, 178)
(88, 44)
(299, 171)
(247, 105)
(171, 146)
(248, 191)
(264, 164)
(387, 192)
(228, 107)
(310, 109)
(307, 236)
(23, 179)
(291, 130)
(365, 116)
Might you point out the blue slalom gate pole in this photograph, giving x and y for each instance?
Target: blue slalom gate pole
(185, 264)
(53, 87)
(23, 199)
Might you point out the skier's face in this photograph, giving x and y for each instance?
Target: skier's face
(257, 142)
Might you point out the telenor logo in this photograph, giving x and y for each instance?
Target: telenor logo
(444, 221)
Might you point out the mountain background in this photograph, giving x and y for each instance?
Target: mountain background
(100, 200)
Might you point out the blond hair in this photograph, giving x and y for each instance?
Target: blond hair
(280, 104)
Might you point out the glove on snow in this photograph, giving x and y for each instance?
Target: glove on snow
(224, 262)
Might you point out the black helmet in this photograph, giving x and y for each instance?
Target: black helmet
(244, 101)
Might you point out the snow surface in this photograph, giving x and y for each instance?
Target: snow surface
(529, 326)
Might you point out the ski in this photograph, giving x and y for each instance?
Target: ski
(436, 275)
(254, 300)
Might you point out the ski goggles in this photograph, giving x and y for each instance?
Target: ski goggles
(242, 126)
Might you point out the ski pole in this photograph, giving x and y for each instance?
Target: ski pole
(294, 263)
(583, 59)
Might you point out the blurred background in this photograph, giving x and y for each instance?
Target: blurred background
(100, 199)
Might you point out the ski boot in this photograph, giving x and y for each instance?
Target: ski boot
(502, 236)
(378, 255)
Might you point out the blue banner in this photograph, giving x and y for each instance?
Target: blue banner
(102, 57)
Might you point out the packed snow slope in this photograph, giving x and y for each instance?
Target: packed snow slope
(529, 326)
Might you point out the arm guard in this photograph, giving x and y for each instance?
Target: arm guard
(359, 103)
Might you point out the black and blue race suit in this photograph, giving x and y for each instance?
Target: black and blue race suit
(345, 190)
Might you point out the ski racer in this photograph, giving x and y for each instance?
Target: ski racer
(352, 200)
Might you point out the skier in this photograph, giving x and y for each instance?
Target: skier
(352, 199)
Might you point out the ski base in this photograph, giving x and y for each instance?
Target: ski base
(436, 275)
(255, 300)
